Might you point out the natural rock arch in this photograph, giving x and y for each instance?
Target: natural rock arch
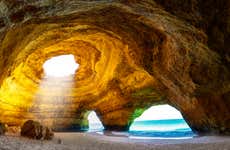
(132, 54)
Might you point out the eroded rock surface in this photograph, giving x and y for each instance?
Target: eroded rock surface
(35, 130)
(3, 128)
(132, 55)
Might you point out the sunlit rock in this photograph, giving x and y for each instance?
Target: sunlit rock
(13, 130)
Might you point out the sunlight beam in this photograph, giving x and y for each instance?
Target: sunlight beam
(55, 88)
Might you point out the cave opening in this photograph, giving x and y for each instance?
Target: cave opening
(159, 122)
(94, 123)
(60, 66)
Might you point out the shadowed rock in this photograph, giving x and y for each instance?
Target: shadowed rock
(3, 128)
(35, 130)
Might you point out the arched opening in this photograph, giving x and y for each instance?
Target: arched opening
(94, 122)
(163, 121)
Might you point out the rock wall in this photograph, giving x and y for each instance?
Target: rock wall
(132, 55)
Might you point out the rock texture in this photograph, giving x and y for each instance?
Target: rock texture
(132, 55)
(3, 128)
(13, 130)
(35, 130)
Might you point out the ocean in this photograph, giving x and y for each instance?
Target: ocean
(157, 129)
(154, 129)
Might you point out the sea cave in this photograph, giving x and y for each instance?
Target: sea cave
(125, 56)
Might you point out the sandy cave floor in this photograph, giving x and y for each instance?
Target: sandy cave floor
(93, 141)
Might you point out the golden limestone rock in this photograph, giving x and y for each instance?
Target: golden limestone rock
(132, 54)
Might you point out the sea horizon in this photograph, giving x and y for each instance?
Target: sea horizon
(155, 129)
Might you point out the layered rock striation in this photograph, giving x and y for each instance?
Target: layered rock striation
(132, 55)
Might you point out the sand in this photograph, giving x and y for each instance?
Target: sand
(93, 141)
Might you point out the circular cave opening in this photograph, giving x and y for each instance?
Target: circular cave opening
(60, 66)
(94, 122)
(160, 122)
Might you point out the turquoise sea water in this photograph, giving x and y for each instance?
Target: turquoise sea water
(171, 128)
(154, 129)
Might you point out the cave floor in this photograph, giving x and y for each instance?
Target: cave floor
(92, 141)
